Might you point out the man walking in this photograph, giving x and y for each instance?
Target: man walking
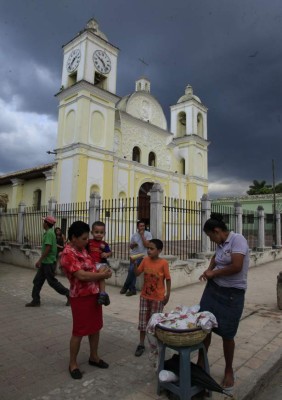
(138, 249)
(47, 264)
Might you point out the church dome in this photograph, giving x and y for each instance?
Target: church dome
(142, 105)
(189, 95)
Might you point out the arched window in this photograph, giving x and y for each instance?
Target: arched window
(181, 124)
(97, 128)
(152, 159)
(136, 154)
(37, 199)
(182, 166)
(69, 127)
(200, 165)
(95, 189)
(200, 125)
(122, 199)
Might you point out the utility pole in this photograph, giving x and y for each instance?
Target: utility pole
(274, 202)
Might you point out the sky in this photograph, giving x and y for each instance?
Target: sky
(229, 51)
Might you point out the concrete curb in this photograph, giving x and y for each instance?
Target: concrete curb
(259, 380)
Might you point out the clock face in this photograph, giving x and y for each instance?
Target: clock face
(73, 60)
(102, 61)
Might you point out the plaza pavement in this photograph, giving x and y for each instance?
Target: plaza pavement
(34, 342)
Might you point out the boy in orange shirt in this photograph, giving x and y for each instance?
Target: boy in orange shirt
(155, 293)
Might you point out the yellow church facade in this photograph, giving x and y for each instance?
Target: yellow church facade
(115, 146)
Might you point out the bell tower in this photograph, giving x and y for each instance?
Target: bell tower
(87, 99)
(90, 57)
(189, 128)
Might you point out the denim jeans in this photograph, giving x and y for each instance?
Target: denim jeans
(47, 271)
(130, 281)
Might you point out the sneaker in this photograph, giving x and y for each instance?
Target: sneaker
(33, 304)
(104, 299)
(130, 293)
(139, 350)
(123, 291)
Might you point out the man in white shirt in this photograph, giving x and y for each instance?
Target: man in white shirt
(138, 249)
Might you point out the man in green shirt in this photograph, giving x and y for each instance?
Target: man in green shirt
(47, 264)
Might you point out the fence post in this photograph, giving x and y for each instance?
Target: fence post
(205, 215)
(238, 218)
(20, 227)
(261, 234)
(94, 208)
(52, 206)
(278, 229)
(156, 211)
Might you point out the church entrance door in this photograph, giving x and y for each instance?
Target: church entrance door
(144, 202)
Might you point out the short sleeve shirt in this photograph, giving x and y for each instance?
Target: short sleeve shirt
(73, 260)
(95, 249)
(155, 273)
(49, 239)
(235, 243)
(136, 238)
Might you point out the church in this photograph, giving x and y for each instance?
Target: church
(115, 146)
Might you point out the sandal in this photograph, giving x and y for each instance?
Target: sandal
(140, 350)
(100, 364)
(75, 373)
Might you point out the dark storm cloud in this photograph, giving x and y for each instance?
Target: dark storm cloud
(228, 50)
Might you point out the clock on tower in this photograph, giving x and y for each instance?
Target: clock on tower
(102, 61)
(73, 60)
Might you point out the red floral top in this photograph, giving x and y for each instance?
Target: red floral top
(73, 260)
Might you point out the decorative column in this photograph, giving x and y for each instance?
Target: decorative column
(156, 211)
(17, 193)
(206, 212)
(261, 235)
(115, 179)
(49, 186)
(278, 229)
(94, 208)
(20, 227)
(52, 207)
(238, 218)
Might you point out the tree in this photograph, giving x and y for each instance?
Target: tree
(278, 188)
(259, 187)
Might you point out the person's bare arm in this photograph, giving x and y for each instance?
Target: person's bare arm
(136, 272)
(106, 255)
(146, 243)
(86, 276)
(43, 255)
(234, 267)
(210, 268)
(167, 295)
